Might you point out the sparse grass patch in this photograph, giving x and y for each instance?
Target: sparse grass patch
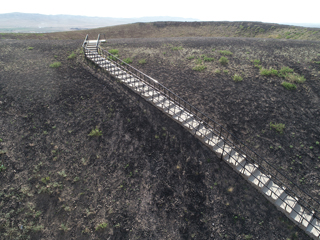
(176, 48)
(268, 72)
(72, 55)
(62, 173)
(64, 227)
(294, 77)
(55, 65)
(199, 68)
(191, 57)
(30, 48)
(114, 51)
(289, 86)
(223, 60)
(225, 71)
(217, 71)
(208, 59)
(257, 63)
(199, 61)
(142, 61)
(101, 226)
(95, 132)
(279, 127)
(225, 53)
(127, 60)
(237, 78)
(284, 71)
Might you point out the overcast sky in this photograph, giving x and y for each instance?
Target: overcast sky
(277, 11)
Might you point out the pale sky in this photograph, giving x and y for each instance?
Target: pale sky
(276, 11)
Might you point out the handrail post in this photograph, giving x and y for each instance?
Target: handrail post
(98, 41)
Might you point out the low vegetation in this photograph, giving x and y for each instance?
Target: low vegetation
(55, 65)
(289, 86)
(95, 132)
(142, 61)
(268, 72)
(127, 60)
(223, 60)
(72, 55)
(114, 51)
(225, 53)
(237, 78)
(295, 78)
(279, 127)
(199, 68)
(101, 226)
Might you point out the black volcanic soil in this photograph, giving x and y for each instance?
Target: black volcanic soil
(145, 177)
(248, 107)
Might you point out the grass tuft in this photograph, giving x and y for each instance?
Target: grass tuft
(176, 48)
(142, 61)
(55, 65)
(295, 78)
(72, 55)
(223, 60)
(284, 71)
(237, 78)
(114, 51)
(101, 226)
(225, 52)
(268, 72)
(95, 133)
(199, 68)
(127, 60)
(279, 127)
(289, 86)
(208, 59)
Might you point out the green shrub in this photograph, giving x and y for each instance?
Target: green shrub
(293, 77)
(256, 62)
(237, 78)
(101, 226)
(199, 68)
(190, 57)
(279, 127)
(114, 58)
(114, 51)
(30, 48)
(217, 71)
(223, 60)
(226, 71)
(127, 60)
(199, 61)
(176, 48)
(289, 86)
(142, 61)
(95, 133)
(55, 65)
(284, 71)
(225, 52)
(208, 59)
(72, 55)
(268, 72)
